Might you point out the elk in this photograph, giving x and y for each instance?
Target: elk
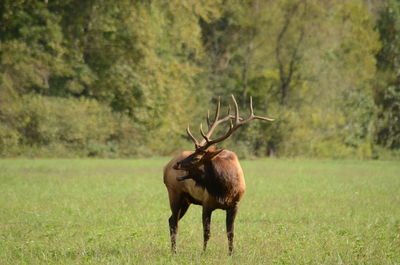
(208, 176)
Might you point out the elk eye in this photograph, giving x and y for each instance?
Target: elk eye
(196, 159)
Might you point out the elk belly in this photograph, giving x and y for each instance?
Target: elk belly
(198, 193)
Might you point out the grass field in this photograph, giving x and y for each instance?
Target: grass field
(116, 211)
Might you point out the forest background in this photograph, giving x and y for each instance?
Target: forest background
(124, 78)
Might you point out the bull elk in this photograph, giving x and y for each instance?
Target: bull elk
(208, 176)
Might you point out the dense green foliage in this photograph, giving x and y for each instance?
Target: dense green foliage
(124, 78)
(116, 212)
(387, 89)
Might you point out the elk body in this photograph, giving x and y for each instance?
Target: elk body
(208, 176)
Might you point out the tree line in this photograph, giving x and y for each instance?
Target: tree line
(124, 78)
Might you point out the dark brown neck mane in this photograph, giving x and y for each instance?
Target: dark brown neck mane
(216, 176)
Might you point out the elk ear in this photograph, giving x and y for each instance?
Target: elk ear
(211, 154)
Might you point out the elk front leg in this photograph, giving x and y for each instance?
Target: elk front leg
(206, 226)
(230, 220)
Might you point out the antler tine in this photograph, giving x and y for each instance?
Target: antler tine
(251, 106)
(263, 118)
(252, 116)
(216, 113)
(236, 109)
(203, 134)
(196, 143)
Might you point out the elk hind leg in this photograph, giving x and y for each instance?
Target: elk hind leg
(178, 209)
(173, 228)
(174, 201)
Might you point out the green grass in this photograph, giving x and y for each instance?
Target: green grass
(116, 211)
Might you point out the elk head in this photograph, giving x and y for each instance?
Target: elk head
(206, 150)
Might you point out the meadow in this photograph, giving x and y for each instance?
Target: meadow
(295, 211)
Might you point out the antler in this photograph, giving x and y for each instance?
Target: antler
(207, 142)
(211, 126)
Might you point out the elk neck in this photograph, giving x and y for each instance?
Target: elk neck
(217, 176)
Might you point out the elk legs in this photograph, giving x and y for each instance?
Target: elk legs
(173, 228)
(230, 220)
(206, 225)
(178, 211)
